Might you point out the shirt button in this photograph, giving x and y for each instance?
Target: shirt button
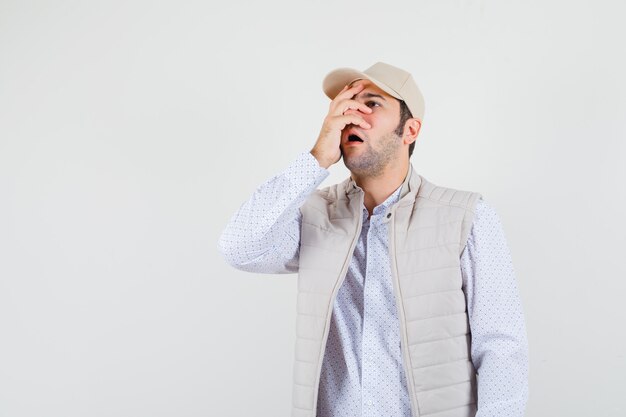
(388, 215)
(370, 403)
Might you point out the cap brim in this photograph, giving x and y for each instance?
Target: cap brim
(336, 80)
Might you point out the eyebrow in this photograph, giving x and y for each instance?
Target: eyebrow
(371, 95)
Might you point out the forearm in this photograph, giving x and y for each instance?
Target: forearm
(267, 224)
(500, 356)
(502, 380)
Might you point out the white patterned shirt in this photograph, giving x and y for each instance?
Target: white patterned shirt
(362, 370)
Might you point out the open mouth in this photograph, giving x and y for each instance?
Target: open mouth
(354, 138)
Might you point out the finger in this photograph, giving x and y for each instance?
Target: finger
(354, 105)
(345, 87)
(355, 120)
(343, 106)
(348, 92)
(345, 94)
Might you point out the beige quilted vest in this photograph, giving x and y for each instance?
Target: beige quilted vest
(428, 229)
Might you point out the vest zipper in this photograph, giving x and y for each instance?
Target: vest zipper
(342, 278)
(400, 309)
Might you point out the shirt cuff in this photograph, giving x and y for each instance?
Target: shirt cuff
(305, 172)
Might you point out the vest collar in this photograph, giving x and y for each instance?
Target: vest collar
(410, 187)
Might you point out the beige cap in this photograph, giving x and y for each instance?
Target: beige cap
(392, 80)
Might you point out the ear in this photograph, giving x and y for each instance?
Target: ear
(411, 130)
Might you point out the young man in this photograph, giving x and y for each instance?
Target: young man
(407, 300)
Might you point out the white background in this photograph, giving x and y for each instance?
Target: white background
(131, 131)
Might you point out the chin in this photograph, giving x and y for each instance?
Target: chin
(353, 165)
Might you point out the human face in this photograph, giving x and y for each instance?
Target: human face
(380, 145)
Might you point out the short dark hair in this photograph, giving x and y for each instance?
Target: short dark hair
(405, 114)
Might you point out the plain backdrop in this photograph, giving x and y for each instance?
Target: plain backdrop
(130, 132)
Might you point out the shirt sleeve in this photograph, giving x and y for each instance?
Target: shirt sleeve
(264, 234)
(499, 343)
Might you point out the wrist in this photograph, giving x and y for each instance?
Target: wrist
(323, 162)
